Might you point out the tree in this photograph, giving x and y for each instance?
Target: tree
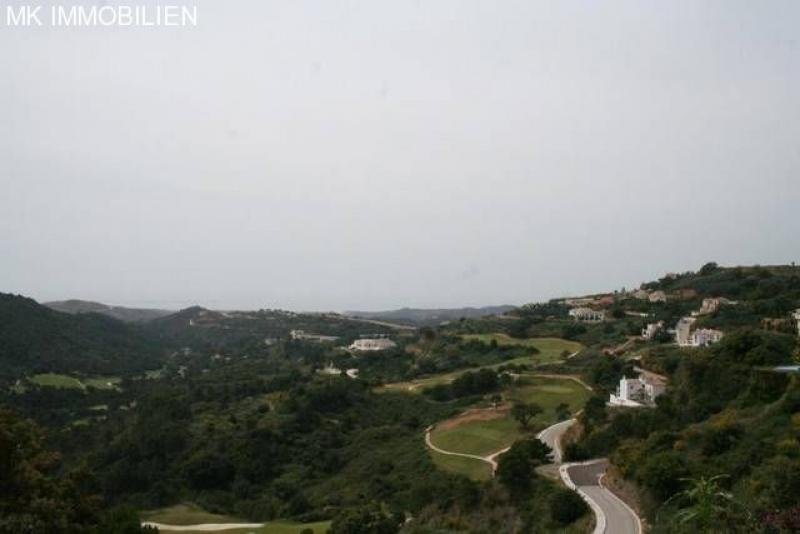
(369, 519)
(566, 506)
(708, 268)
(562, 411)
(33, 499)
(524, 412)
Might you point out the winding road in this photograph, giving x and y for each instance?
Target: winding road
(612, 515)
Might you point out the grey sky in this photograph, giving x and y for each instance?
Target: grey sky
(341, 155)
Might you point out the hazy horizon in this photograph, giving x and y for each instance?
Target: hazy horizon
(369, 156)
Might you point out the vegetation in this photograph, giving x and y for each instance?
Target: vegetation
(228, 412)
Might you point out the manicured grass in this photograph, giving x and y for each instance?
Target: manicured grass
(480, 437)
(469, 467)
(488, 436)
(189, 514)
(57, 381)
(550, 350)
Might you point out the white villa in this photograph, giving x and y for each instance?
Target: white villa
(372, 344)
(702, 337)
(638, 392)
(587, 315)
(651, 330)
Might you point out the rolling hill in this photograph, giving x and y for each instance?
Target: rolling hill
(128, 315)
(35, 338)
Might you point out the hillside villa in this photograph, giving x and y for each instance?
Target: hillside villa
(702, 337)
(657, 296)
(638, 392)
(651, 330)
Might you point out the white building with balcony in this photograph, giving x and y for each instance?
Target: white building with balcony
(638, 392)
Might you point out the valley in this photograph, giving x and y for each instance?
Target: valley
(245, 421)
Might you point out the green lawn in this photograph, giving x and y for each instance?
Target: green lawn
(551, 349)
(70, 382)
(485, 437)
(473, 469)
(57, 381)
(189, 514)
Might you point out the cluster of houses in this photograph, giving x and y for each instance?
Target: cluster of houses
(638, 392)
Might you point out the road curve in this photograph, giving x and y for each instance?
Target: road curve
(205, 527)
(551, 436)
(613, 516)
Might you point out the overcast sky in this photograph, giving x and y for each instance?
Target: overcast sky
(367, 155)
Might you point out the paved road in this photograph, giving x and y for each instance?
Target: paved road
(618, 517)
(612, 515)
(552, 437)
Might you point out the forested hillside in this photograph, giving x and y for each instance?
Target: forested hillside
(34, 339)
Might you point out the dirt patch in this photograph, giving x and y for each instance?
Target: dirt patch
(476, 414)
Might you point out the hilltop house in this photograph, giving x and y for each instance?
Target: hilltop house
(651, 330)
(372, 344)
(657, 296)
(638, 392)
(587, 315)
